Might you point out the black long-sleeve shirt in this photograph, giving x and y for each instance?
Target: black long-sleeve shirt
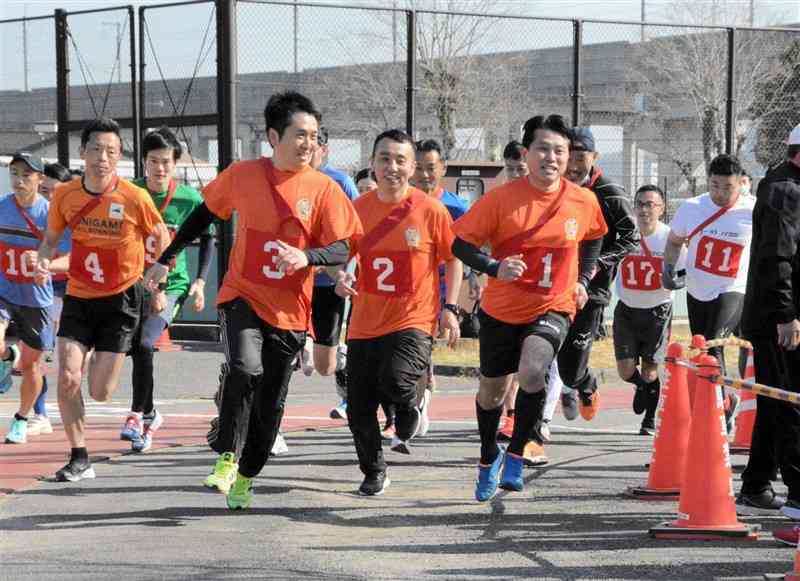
(621, 239)
(773, 278)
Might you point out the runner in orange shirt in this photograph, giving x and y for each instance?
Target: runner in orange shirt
(290, 217)
(545, 235)
(395, 305)
(110, 219)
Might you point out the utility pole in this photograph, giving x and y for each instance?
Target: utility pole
(644, 16)
(25, 47)
(752, 13)
(394, 31)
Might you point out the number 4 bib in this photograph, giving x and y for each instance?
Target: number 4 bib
(94, 267)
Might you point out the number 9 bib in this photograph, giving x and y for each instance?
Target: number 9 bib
(261, 261)
(386, 273)
(94, 267)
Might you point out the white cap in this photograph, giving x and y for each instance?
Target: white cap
(794, 136)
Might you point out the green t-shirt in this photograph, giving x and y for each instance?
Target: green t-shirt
(183, 203)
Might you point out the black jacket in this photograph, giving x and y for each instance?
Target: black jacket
(622, 237)
(773, 279)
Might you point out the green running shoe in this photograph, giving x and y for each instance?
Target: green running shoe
(224, 473)
(241, 493)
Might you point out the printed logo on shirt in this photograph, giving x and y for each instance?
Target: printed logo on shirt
(116, 211)
(412, 237)
(571, 229)
(304, 209)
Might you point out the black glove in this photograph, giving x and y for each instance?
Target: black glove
(672, 280)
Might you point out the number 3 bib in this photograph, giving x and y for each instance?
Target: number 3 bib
(261, 261)
(95, 267)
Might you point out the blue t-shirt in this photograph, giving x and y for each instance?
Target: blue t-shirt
(455, 205)
(321, 278)
(16, 237)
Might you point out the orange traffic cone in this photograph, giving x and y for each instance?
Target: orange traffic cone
(794, 574)
(165, 344)
(698, 342)
(745, 412)
(707, 509)
(672, 434)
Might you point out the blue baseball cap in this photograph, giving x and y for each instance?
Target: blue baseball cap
(33, 162)
(582, 139)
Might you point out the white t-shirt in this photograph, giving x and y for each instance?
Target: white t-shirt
(719, 254)
(639, 275)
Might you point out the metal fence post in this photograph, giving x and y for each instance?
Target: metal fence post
(411, 70)
(142, 115)
(135, 117)
(730, 113)
(577, 53)
(62, 86)
(226, 104)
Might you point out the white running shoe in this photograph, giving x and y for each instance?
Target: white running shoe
(340, 411)
(424, 409)
(307, 357)
(279, 448)
(39, 425)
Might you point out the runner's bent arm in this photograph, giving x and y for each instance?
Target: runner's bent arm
(196, 224)
(589, 253)
(205, 255)
(619, 213)
(672, 249)
(475, 258)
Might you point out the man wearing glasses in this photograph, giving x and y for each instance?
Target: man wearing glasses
(643, 314)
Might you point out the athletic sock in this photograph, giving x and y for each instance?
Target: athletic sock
(19, 417)
(488, 423)
(652, 404)
(80, 455)
(531, 409)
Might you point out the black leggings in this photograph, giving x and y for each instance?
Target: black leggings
(715, 319)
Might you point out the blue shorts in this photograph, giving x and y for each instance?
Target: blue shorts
(35, 325)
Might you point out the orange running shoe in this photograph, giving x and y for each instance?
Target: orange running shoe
(589, 404)
(534, 455)
(505, 431)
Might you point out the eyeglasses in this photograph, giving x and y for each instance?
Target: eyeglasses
(648, 205)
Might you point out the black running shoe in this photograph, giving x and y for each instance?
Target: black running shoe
(640, 400)
(374, 484)
(75, 470)
(648, 427)
(763, 504)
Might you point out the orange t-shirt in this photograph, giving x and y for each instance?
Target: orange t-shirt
(107, 255)
(314, 201)
(398, 277)
(551, 254)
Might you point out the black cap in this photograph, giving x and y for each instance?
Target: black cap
(582, 139)
(33, 162)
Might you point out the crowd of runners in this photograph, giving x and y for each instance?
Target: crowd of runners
(358, 278)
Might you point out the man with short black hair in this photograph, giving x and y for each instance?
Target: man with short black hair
(716, 227)
(514, 164)
(622, 237)
(327, 308)
(109, 219)
(545, 235)
(161, 151)
(290, 218)
(770, 321)
(407, 235)
(643, 315)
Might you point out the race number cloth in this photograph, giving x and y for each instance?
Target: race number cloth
(639, 275)
(273, 206)
(556, 222)
(719, 251)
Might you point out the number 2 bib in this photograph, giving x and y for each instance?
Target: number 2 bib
(386, 273)
(95, 267)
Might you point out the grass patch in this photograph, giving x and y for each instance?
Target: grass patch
(466, 352)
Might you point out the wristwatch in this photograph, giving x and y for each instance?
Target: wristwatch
(455, 309)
